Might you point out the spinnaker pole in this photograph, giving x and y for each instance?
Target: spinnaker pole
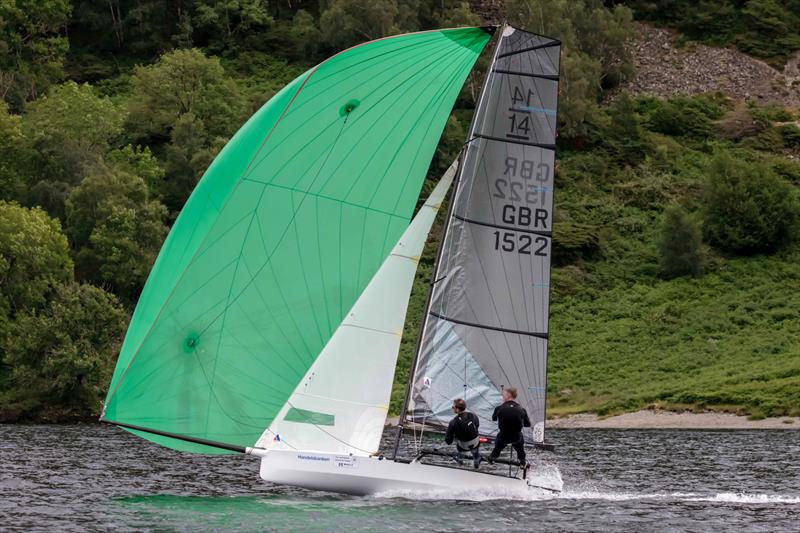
(186, 438)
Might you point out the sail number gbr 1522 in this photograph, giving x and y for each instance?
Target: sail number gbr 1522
(523, 203)
(522, 243)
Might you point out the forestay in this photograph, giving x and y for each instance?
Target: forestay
(280, 238)
(487, 322)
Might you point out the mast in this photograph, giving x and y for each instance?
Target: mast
(486, 320)
(470, 136)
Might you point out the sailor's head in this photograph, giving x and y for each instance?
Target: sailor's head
(459, 405)
(509, 393)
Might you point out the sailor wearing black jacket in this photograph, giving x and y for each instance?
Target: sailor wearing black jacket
(463, 428)
(510, 418)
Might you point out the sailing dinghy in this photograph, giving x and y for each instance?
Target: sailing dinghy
(271, 321)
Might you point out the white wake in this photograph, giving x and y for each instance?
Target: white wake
(740, 497)
(545, 484)
(723, 497)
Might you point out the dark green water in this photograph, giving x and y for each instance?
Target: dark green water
(101, 478)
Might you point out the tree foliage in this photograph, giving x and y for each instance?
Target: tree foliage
(71, 129)
(187, 156)
(181, 82)
(748, 208)
(116, 230)
(138, 161)
(681, 244)
(14, 154)
(61, 357)
(34, 258)
(138, 28)
(32, 47)
(227, 22)
(623, 136)
(186, 102)
(348, 22)
(594, 56)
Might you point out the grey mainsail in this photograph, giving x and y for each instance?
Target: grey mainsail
(486, 324)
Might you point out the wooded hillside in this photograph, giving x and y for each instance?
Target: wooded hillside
(676, 247)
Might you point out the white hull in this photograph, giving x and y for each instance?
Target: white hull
(362, 476)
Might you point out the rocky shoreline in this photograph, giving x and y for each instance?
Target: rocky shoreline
(652, 419)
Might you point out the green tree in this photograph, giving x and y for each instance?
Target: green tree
(748, 208)
(188, 155)
(116, 230)
(681, 244)
(140, 162)
(714, 20)
(306, 35)
(227, 22)
(183, 81)
(772, 30)
(594, 57)
(675, 117)
(409, 13)
(129, 28)
(348, 22)
(455, 13)
(623, 137)
(14, 155)
(187, 102)
(449, 146)
(34, 258)
(61, 357)
(71, 129)
(32, 47)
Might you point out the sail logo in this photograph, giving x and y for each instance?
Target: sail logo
(321, 458)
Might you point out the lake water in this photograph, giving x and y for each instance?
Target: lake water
(88, 477)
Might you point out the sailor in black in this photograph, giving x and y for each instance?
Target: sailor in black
(463, 428)
(510, 418)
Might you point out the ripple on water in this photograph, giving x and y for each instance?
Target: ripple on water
(99, 477)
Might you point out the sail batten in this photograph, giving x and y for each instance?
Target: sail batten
(486, 324)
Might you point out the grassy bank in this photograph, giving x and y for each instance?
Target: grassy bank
(727, 341)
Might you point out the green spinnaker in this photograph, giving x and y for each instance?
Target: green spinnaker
(280, 237)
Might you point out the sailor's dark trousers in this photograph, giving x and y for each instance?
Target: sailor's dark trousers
(519, 446)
